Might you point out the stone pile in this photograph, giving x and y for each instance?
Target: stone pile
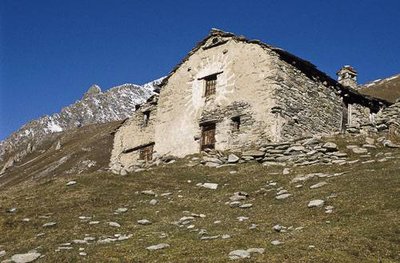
(300, 152)
(297, 152)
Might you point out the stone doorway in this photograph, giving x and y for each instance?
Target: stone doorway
(207, 136)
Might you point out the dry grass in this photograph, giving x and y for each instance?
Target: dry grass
(387, 90)
(364, 227)
(92, 142)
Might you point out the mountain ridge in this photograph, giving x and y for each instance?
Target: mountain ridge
(387, 88)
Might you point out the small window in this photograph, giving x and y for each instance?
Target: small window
(146, 153)
(236, 123)
(211, 83)
(146, 118)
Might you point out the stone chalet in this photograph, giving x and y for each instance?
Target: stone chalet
(232, 94)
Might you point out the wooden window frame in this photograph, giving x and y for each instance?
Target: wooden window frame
(210, 83)
(146, 152)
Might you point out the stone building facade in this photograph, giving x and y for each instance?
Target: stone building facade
(230, 94)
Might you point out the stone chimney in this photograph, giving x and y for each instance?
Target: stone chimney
(347, 76)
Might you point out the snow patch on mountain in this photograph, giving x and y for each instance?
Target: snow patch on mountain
(52, 127)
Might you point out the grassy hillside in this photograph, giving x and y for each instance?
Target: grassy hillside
(364, 225)
(387, 89)
(85, 149)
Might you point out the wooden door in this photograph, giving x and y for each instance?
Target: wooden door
(208, 136)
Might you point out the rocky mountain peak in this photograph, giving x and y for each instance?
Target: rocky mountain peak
(93, 90)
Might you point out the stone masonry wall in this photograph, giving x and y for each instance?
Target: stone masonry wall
(132, 134)
(388, 120)
(360, 116)
(307, 106)
(227, 134)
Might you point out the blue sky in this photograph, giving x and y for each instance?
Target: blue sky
(52, 51)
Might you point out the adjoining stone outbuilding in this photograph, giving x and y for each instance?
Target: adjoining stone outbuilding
(231, 93)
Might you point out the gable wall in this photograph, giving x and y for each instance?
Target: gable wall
(244, 87)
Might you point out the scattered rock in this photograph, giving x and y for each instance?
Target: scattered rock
(144, 222)
(316, 203)
(153, 202)
(233, 158)
(148, 192)
(117, 237)
(286, 171)
(202, 232)
(329, 209)
(121, 210)
(244, 206)
(242, 218)
(276, 242)
(211, 186)
(158, 247)
(253, 226)
(85, 217)
(79, 241)
(49, 224)
(318, 185)
(281, 192)
(242, 254)
(277, 228)
(238, 196)
(114, 224)
(24, 258)
(282, 196)
(12, 210)
(71, 183)
(2, 253)
(239, 254)
(209, 237)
